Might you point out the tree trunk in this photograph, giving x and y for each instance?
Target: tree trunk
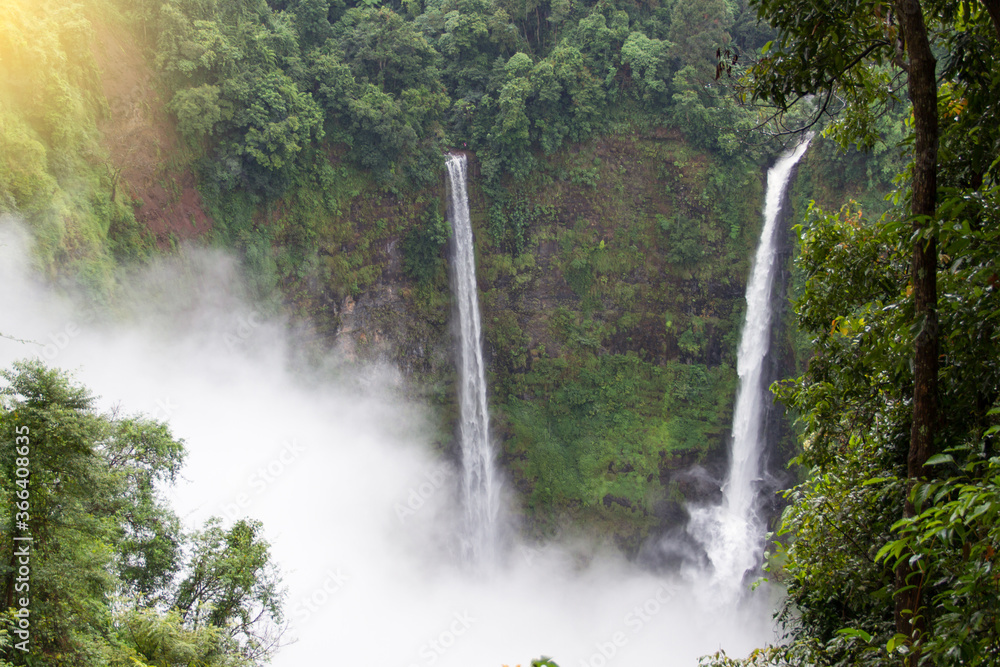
(923, 96)
(993, 7)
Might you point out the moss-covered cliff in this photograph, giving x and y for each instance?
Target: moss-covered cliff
(612, 293)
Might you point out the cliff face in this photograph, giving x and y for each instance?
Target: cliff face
(146, 162)
(613, 338)
(612, 294)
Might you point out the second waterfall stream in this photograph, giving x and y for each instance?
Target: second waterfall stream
(481, 483)
(731, 532)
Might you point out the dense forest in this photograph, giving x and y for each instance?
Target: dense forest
(618, 151)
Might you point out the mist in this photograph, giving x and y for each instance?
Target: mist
(362, 515)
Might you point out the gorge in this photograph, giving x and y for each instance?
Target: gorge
(269, 442)
(194, 351)
(452, 305)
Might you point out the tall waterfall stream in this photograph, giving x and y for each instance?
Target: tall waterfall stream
(480, 478)
(731, 531)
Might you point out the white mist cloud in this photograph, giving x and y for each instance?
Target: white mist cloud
(359, 511)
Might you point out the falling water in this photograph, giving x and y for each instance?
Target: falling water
(481, 491)
(731, 531)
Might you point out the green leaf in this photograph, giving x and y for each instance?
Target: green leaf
(896, 641)
(855, 632)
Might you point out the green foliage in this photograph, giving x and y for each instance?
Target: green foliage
(393, 82)
(268, 100)
(396, 99)
(707, 114)
(237, 228)
(853, 403)
(955, 540)
(163, 639)
(237, 81)
(508, 224)
(52, 171)
(833, 526)
(833, 52)
(697, 30)
(69, 501)
(684, 241)
(381, 131)
(100, 531)
(831, 176)
(5, 643)
(197, 110)
(606, 426)
(232, 585)
(648, 61)
(275, 121)
(128, 241)
(423, 243)
(387, 51)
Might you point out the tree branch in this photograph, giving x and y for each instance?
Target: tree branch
(20, 340)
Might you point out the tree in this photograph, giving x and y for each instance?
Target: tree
(233, 585)
(157, 640)
(647, 59)
(850, 55)
(83, 486)
(387, 51)
(142, 453)
(697, 29)
(314, 20)
(470, 35)
(62, 506)
(239, 81)
(197, 110)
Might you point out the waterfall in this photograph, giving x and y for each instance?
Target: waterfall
(731, 531)
(481, 484)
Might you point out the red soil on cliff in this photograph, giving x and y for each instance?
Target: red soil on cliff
(147, 158)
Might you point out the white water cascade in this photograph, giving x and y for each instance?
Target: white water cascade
(731, 532)
(481, 484)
